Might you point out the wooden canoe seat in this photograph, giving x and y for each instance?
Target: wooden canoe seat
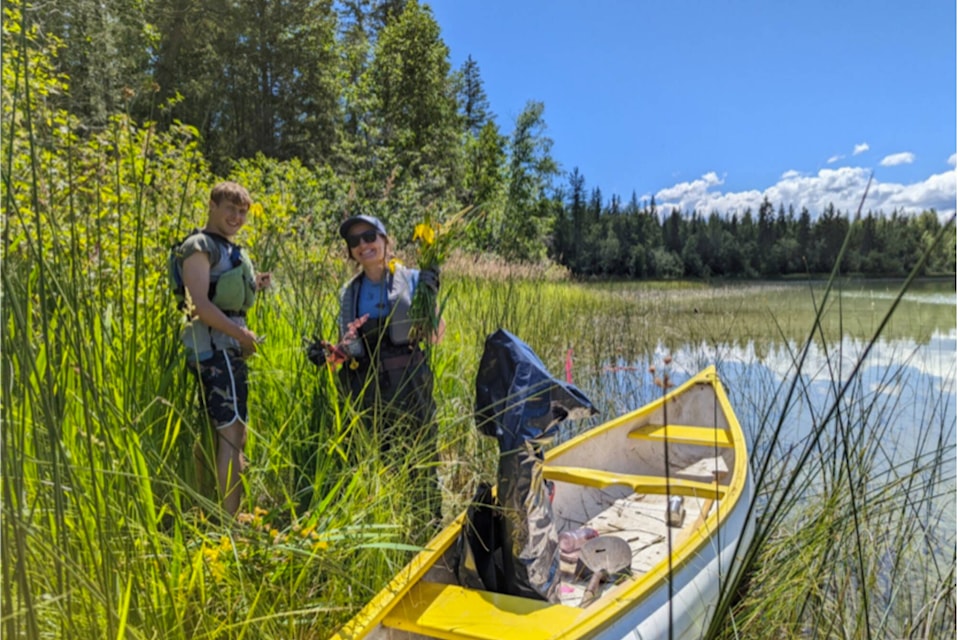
(683, 434)
(650, 485)
(451, 611)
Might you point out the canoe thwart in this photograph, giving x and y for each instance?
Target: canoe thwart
(683, 434)
(642, 484)
(451, 611)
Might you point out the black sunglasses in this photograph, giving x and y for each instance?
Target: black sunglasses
(369, 236)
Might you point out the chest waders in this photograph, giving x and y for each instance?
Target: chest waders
(391, 374)
(393, 385)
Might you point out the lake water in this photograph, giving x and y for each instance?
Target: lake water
(894, 401)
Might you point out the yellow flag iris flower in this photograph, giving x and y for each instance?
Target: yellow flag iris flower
(424, 232)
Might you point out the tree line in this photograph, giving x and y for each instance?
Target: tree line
(636, 240)
(362, 93)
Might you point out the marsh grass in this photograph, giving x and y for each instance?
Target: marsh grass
(109, 529)
(110, 532)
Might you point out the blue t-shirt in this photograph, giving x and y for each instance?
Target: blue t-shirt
(373, 296)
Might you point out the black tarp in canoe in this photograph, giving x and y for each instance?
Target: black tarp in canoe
(509, 544)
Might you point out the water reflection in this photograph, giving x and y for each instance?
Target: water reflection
(893, 404)
(831, 417)
(755, 374)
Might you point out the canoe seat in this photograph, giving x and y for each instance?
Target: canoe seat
(683, 434)
(651, 485)
(451, 611)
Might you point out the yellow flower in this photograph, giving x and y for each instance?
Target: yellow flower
(320, 545)
(211, 553)
(393, 264)
(218, 570)
(354, 365)
(256, 210)
(424, 231)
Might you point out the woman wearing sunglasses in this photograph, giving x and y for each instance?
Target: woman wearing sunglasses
(385, 372)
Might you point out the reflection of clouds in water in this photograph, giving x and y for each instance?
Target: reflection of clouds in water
(908, 386)
(923, 298)
(899, 415)
(937, 359)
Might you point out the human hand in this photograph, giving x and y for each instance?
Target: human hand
(319, 351)
(248, 341)
(430, 278)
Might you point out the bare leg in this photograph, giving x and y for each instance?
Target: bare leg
(230, 442)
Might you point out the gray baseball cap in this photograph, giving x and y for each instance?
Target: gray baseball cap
(370, 220)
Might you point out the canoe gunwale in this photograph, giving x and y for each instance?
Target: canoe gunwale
(608, 614)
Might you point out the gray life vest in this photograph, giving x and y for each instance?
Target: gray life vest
(399, 299)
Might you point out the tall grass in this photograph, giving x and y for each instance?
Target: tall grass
(111, 530)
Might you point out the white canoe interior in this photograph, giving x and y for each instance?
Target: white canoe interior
(641, 520)
(617, 479)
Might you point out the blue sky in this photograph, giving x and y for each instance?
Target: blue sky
(711, 105)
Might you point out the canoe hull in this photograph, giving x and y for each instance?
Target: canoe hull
(617, 477)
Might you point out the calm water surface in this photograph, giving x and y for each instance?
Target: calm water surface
(899, 396)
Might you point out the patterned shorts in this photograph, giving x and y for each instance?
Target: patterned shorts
(223, 380)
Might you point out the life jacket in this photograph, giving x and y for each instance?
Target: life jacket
(232, 291)
(399, 301)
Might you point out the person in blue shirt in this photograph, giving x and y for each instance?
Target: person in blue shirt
(384, 369)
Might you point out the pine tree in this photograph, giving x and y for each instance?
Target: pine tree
(410, 78)
(471, 98)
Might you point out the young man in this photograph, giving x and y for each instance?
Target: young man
(220, 285)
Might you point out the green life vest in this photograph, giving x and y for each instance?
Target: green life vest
(233, 290)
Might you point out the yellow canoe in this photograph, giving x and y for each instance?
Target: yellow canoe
(611, 478)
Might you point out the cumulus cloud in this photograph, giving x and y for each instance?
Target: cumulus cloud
(860, 148)
(688, 190)
(842, 187)
(836, 158)
(937, 192)
(897, 158)
(952, 160)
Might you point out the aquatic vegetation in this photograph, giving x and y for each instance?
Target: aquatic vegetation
(110, 523)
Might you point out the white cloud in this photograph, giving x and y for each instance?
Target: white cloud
(860, 148)
(938, 192)
(952, 160)
(836, 158)
(842, 187)
(897, 158)
(687, 190)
